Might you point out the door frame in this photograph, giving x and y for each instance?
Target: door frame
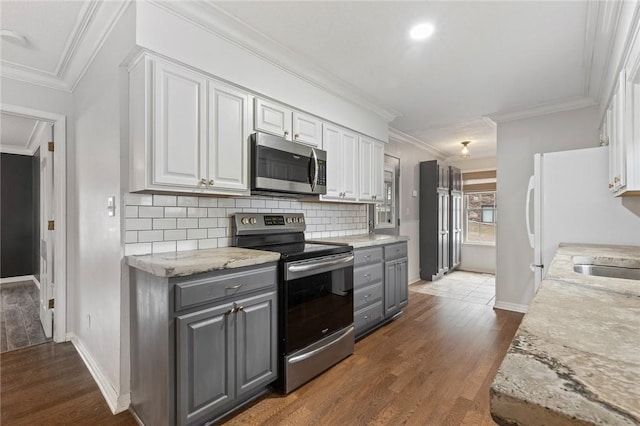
(59, 122)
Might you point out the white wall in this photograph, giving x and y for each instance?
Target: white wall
(410, 158)
(165, 33)
(97, 162)
(518, 141)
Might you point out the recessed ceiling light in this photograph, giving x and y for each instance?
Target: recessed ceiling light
(14, 37)
(421, 31)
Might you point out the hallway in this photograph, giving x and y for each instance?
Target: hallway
(471, 287)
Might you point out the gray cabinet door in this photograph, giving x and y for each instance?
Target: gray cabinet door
(205, 357)
(402, 283)
(256, 342)
(390, 283)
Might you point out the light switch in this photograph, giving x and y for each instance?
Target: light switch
(111, 206)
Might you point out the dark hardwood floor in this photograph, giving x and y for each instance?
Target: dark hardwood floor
(431, 366)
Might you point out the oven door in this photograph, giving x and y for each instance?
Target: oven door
(318, 295)
(284, 166)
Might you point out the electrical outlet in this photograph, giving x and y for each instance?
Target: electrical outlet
(111, 206)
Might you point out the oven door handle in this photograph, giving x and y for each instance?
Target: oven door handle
(314, 158)
(294, 271)
(319, 265)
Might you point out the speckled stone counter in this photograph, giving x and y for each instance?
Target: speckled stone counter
(360, 241)
(183, 263)
(575, 358)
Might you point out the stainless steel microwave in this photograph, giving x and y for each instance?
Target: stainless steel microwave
(279, 166)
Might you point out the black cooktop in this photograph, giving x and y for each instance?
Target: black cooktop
(303, 250)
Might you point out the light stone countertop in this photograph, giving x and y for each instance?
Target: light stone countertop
(575, 358)
(183, 263)
(360, 241)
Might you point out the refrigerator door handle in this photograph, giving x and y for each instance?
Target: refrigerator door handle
(530, 189)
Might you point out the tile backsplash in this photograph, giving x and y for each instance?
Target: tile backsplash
(165, 223)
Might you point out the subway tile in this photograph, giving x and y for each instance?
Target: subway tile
(216, 212)
(258, 203)
(284, 204)
(187, 201)
(137, 249)
(223, 223)
(131, 237)
(175, 234)
(138, 199)
(216, 233)
(207, 222)
(164, 200)
(163, 247)
(226, 202)
(167, 223)
(196, 212)
(151, 212)
(205, 244)
(150, 236)
(230, 212)
(137, 224)
(271, 204)
(131, 211)
(187, 223)
(207, 202)
(186, 245)
(196, 234)
(175, 212)
(242, 203)
(224, 242)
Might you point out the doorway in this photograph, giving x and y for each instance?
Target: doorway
(42, 282)
(384, 217)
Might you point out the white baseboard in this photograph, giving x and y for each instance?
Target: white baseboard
(117, 403)
(18, 279)
(511, 307)
(414, 280)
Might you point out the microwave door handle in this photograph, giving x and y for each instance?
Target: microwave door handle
(314, 182)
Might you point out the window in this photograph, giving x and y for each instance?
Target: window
(480, 217)
(385, 211)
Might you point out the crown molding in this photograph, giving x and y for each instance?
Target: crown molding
(542, 109)
(216, 20)
(396, 135)
(95, 22)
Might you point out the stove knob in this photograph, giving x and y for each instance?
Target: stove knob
(244, 221)
(289, 220)
(253, 220)
(301, 220)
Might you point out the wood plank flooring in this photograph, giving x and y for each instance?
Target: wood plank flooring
(431, 366)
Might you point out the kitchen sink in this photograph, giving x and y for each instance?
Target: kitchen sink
(608, 271)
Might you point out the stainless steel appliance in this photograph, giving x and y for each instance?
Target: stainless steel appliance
(315, 294)
(280, 166)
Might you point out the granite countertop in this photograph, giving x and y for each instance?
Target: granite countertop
(182, 263)
(360, 241)
(575, 358)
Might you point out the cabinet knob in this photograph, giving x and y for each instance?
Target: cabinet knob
(286, 133)
(211, 182)
(610, 185)
(240, 308)
(203, 182)
(296, 136)
(616, 179)
(366, 296)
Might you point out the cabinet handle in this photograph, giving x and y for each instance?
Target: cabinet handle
(232, 310)
(366, 296)
(616, 179)
(233, 287)
(211, 182)
(610, 185)
(367, 256)
(296, 136)
(286, 133)
(368, 277)
(240, 308)
(366, 317)
(203, 181)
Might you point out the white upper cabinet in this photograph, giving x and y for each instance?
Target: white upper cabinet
(342, 166)
(187, 132)
(179, 126)
(371, 170)
(279, 120)
(228, 130)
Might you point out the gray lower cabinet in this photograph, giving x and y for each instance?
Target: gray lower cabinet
(381, 285)
(201, 345)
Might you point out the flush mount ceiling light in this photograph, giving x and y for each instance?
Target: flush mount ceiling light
(421, 31)
(465, 150)
(13, 37)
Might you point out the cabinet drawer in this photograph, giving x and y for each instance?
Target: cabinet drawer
(366, 296)
(191, 292)
(368, 317)
(365, 256)
(365, 275)
(395, 251)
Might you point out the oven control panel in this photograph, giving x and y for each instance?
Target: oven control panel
(255, 223)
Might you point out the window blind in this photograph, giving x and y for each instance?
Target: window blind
(483, 181)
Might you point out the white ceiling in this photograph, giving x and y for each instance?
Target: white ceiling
(20, 135)
(484, 57)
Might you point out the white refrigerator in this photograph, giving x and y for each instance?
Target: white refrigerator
(568, 201)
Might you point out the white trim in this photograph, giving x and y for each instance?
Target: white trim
(414, 280)
(396, 135)
(117, 403)
(542, 109)
(218, 21)
(514, 307)
(60, 209)
(9, 149)
(9, 280)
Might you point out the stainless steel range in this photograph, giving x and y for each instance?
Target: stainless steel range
(315, 294)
